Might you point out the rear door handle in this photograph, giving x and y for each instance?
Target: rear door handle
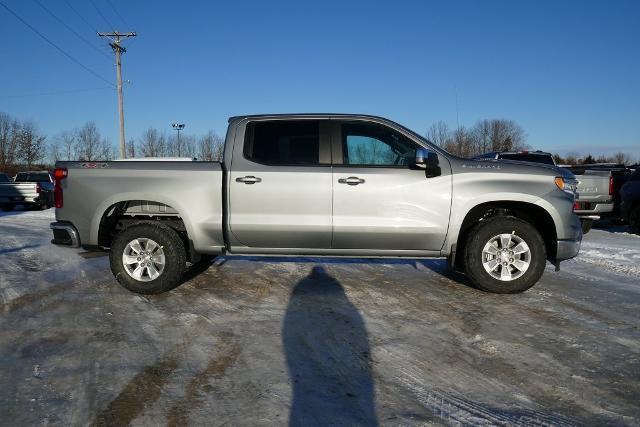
(352, 180)
(249, 179)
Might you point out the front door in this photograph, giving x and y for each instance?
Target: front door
(380, 201)
(280, 185)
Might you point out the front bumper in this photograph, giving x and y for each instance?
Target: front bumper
(567, 249)
(65, 234)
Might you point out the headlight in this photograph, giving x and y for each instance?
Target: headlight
(567, 185)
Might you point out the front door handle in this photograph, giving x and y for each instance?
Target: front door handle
(249, 179)
(352, 180)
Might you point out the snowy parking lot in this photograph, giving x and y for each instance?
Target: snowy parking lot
(318, 341)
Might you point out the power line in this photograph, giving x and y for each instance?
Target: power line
(87, 42)
(118, 14)
(62, 51)
(81, 17)
(60, 92)
(103, 17)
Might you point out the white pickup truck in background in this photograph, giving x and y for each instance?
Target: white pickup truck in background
(31, 189)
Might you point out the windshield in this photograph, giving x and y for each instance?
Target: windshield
(33, 177)
(533, 158)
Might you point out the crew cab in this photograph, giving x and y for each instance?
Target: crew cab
(319, 184)
(31, 189)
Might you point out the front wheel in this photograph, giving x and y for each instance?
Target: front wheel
(504, 255)
(148, 258)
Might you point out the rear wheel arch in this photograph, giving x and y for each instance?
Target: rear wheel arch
(126, 213)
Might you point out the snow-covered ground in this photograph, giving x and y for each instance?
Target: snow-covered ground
(257, 341)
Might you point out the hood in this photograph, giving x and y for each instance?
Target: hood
(515, 166)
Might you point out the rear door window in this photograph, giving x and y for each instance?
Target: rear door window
(283, 142)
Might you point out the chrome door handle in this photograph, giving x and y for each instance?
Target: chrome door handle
(249, 179)
(352, 180)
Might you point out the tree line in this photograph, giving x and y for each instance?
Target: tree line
(24, 147)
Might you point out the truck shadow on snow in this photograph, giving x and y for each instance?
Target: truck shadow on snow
(327, 353)
(438, 266)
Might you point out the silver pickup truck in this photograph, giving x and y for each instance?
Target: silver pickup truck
(320, 184)
(31, 189)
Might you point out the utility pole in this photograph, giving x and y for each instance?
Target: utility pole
(116, 38)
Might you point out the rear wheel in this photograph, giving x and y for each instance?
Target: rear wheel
(504, 255)
(148, 258)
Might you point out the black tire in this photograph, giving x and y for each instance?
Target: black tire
(634, 219)
(586, 225)
(8, 208)
(174, 253)
(487, 229)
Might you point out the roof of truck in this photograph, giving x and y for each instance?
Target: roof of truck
(307, 115)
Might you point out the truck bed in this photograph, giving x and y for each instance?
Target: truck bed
(189, 190)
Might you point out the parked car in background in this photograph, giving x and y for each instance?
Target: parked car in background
(31, 189)
(320, 184)
(595, 188)
(619, 174)
(630, 205)
(5, 179)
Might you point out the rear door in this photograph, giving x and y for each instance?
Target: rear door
(380, 200)
(280, 185)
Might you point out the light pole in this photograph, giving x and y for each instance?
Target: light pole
(178, 127)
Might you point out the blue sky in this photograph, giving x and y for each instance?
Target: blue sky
(568, 72)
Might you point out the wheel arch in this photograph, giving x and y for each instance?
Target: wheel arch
(532, 213)
(115, 214)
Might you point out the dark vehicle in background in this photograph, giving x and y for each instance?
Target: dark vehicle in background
(521, 156)
(630, 201)
(595, 187)
(31, 189)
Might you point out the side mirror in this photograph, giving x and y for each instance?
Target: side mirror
(428, 160)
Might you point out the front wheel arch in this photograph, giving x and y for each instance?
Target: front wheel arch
(535, 215)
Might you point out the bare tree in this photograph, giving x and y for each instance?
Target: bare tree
(66, 145)
(506, 135)
(130, 148)
(622, 158)
(480, 136)
(91, 146)
(152, 144)
(571, 159)
(9, 140)
(439, 133)
(185, 146)
(210, 147)
(31, 144)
